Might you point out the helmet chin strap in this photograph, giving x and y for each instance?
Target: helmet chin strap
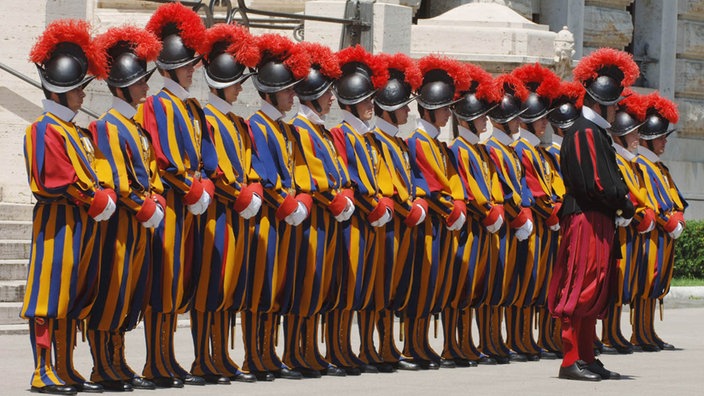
(507, 130)
(272, 99)
(221, 93)
(316, 106)
(472, 127)
(603, 110)
(62, 99)
(530, 127)
(432, 116)
(353, 110)
(392, 117)
(650, 145)
(173, 76)
(126, 94)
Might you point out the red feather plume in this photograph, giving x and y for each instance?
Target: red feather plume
(507, 83)
(573, 92)
(142, 42)
(322, 56)
(664, 107)
(380, 73)
(407, 66)
(456, 70)
(282, 48)
(241, 44)
(485, 87)
(588, 67)
(188, 23)
(548, 82)
(634, 104)
(72, 31)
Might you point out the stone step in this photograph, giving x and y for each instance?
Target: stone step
(12, 290)
(10, 229)
(13, 269)
(14, 249)
(15, 211)
(10, 313)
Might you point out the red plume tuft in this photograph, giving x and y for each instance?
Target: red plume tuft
(282, 48)
(572, 91)
(507, 83)
(548, 83)
(322, 56)
(380, 74)
(634, 104)
(664, 107)
(72, 31)
(407, 66)
(188, 23)
(142, 42)
(482, 83)
(241, 43)
(456, 70)
(588, 67)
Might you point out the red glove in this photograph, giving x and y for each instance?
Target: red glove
(523, 216)
(194, 193)
(245, 196)
(459, 208)
(647, 221)
(553, 219)
(493, 216)
(419, 205)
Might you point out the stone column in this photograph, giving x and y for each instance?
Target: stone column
(570, 13)
(57, 9)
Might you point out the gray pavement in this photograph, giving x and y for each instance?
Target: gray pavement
(679, 372)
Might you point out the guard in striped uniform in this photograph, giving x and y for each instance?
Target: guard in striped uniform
(624, 132)
(126, 260)
(273, 252)
(477, 243)
(566, 109)
(596, 197)
(221, 289)
(396, 246)
(655, 269)
(541, 245)
(71, 198)
(362, 75)
(186, 158)
(316, 287)
(504, 292)
(438, 182)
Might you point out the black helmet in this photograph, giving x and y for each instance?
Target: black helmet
(128, 50)
(512, 92)
(396, 93)
(567, 105)
(181, 32)
(362, 75)
(543, 86)
(228, 50)
(223, 70)
(313, 86)
(624, 124)
(282, 66)
(470, 107)
(605, 73)
(443, 80)
(65, 54)
(660, 113)
(534, 108)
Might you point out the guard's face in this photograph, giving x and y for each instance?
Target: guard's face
(365, 109)
(480, 124)
(284, 100)
(232, 92)
(659, 145)
(326, 102)
(631, 142)
(539, 126)
(442, 116)
(611, 113)
(513, 126)
(184, 74)
(74, 98)
(138, 91)
(402, 115)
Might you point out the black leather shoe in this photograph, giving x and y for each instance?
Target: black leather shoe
(333, 371)
(385, 367)
(666, 346)
(368, 369)
(597, 367)
(578, 371)
(176, 382)
(407, 365)
(163, 382)
(548, 355)
(308, 372)
(141, 383)
(533, 357)
(263, 375)
(55, 389)
(488, 360)
(352, 371)
(518, 357)
(459, 362)
(88, 387)
(243, 377)
(194, 380)
(115, 386)
(649, 348)
(427, 364)
(617, 349)
(216, 379)
(502, 359)
(287, 373)
(447, 363)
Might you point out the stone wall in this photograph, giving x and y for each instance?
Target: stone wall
(607, 24)
(433, 8)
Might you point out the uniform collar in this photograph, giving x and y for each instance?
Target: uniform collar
(429, 128)
(59, 110)
(311, 115)
(595, 117)
(386, 127)
(645, 152)
(557, 139)
(219, 103)
(358, 125)
(620, 150)
(123, 107)
(502, 137)
(468, 135)
(530, 137)
(270, 111)
(176, 89)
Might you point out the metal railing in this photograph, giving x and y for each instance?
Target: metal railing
(38, 85)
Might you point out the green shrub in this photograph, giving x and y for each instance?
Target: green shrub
(689, 252)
